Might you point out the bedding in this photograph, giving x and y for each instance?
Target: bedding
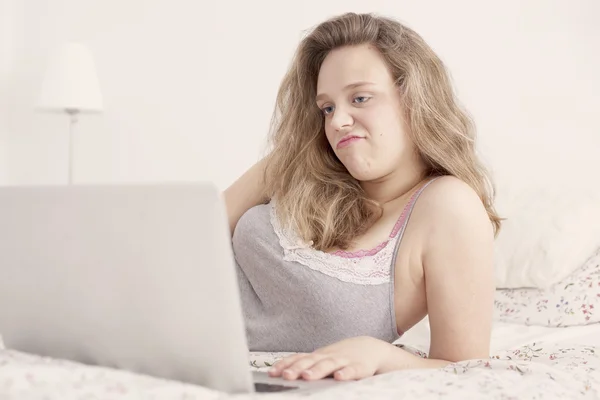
(541, 369)
(527, 362)
(573, 301)
(506, 336)
(543, 346)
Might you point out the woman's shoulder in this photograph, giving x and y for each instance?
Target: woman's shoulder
(448, 188)
(448, 204)
(254, 220)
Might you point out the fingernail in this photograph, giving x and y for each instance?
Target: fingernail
(287, 372)
(308, 373)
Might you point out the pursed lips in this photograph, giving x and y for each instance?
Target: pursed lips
(346, 140)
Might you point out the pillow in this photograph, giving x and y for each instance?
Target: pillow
(571, 302)
(551, 229)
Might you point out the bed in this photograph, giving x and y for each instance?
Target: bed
(545, 344)
(553, 363)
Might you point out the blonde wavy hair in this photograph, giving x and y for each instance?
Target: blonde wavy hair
(315, 194)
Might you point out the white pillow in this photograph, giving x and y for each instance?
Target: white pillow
(550, 231)
(571, 302)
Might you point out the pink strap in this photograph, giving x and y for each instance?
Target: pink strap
(397, 226)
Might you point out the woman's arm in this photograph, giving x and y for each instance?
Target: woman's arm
(246, 192)
(459, 272)
(459, 278)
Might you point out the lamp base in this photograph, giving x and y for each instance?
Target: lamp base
(73, 118)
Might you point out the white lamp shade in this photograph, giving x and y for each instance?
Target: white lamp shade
(71, 81)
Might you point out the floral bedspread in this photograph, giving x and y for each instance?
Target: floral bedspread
(536, 371)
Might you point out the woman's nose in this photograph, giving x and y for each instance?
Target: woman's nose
(341, 119)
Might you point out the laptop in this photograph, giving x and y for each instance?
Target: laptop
(138, 277)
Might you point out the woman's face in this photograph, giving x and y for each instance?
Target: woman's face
(364, 116)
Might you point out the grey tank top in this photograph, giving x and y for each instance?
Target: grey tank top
(298, 299)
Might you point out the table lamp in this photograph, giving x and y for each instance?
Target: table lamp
(70, 85)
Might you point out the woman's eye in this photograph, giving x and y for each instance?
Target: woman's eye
(327, 110)
(361, 99)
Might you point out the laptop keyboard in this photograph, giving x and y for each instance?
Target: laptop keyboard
(270, 388)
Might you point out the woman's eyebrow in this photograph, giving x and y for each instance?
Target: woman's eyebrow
(353, 85)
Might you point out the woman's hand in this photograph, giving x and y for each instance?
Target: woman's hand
(349, 359)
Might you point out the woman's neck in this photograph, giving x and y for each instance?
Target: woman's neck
(395, 185)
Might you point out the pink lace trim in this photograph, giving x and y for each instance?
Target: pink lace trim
(374, 270)
(379, 247)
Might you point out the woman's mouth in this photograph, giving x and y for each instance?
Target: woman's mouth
(347, 141)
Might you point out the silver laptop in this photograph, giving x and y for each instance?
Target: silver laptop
(135, 277)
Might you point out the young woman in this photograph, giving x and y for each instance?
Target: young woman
(370, 212)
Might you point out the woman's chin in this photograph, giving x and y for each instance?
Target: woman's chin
(359, 167)
(362, 175)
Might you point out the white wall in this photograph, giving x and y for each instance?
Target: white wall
(189, 86)
(8, 19)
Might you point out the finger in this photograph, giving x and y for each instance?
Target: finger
(282, 364)
(351, 372)
(293, 371)
(324, 367)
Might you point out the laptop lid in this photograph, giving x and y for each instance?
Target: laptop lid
(135, 277)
